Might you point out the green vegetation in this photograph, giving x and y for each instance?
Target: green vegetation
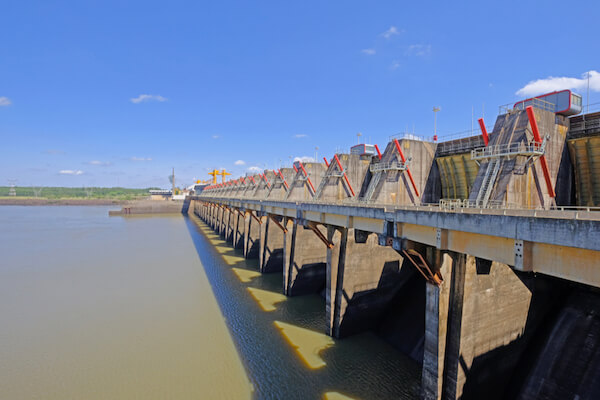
(115, 193)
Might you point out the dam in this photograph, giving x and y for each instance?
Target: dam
(485, 248)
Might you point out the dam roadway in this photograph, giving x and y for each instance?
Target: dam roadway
(494, 289)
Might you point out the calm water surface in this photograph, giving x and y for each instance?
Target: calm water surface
(127, 308)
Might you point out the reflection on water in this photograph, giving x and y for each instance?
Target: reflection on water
(307, 343)
(282, 341)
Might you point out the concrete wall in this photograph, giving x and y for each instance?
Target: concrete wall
(518, 184)
(334, 188)
(299, 187)
(394, 187)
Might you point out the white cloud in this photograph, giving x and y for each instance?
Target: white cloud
(390, 32)
(395, 65)
(141, 159)
(419, 50)
(240, 162)
(304, 159)
(100, 163)
(142, 98)
(254, 169)
(215, 136)
(553, 83)
(300, 136)
(5, 101)
(70, 172)
(369, 52)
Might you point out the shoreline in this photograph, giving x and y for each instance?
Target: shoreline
(61, 202)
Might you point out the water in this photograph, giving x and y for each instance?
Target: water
(125, 308)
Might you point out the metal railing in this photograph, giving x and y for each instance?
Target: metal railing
(459, 145)
(509, 150)
(389, 166)
(535, 102)
(411, 136)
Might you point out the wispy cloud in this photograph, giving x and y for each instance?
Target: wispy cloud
(304, 159)
(419, 50)
(553, 83)
(240, 162)
(54, 152)
(215, 136)
(393, 31)
(143, 98)
(368, 52)
(395, 65)
(300, 136)
(254, 169)
(70, 172)
(5, 101)
(100, 163)
(141, 159)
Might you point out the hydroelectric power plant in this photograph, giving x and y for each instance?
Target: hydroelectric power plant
(484, 250)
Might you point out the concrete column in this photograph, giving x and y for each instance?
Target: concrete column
(238, 231)
(361, 281)
(271, 246)
(304, 260)
(216, 213)
(251, 237)
(478, 324)
(335, 275)
(231, 215)
(223, 222)
(438, 308)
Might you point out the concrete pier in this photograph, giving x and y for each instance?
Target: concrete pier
(304, 259)
(251, 239)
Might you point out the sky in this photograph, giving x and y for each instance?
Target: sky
(117, 93)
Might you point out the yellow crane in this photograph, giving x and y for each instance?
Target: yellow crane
(215, 172)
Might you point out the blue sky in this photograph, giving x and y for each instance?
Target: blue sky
(261, 82)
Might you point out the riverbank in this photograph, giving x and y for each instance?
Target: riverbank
(40, 201)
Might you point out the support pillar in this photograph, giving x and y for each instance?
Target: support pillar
(443, 308)
(271, 245)
(361, 281)
(251, 235)
(238, 231)
(478, 324)
(304, 260)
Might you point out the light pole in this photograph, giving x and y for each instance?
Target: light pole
(358, 135)
(316, 153)
(435, 111)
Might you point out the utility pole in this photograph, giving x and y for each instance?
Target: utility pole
(173, 181)
(435, 111)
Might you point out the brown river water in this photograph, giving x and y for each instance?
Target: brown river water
(94, 307)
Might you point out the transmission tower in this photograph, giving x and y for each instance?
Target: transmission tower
(88, 191)
(12, 191)
(37, 191)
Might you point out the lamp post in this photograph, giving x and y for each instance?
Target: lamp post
(435, 111)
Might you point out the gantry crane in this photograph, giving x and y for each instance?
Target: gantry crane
(215, 172)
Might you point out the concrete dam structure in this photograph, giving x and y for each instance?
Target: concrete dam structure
(478, 257)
